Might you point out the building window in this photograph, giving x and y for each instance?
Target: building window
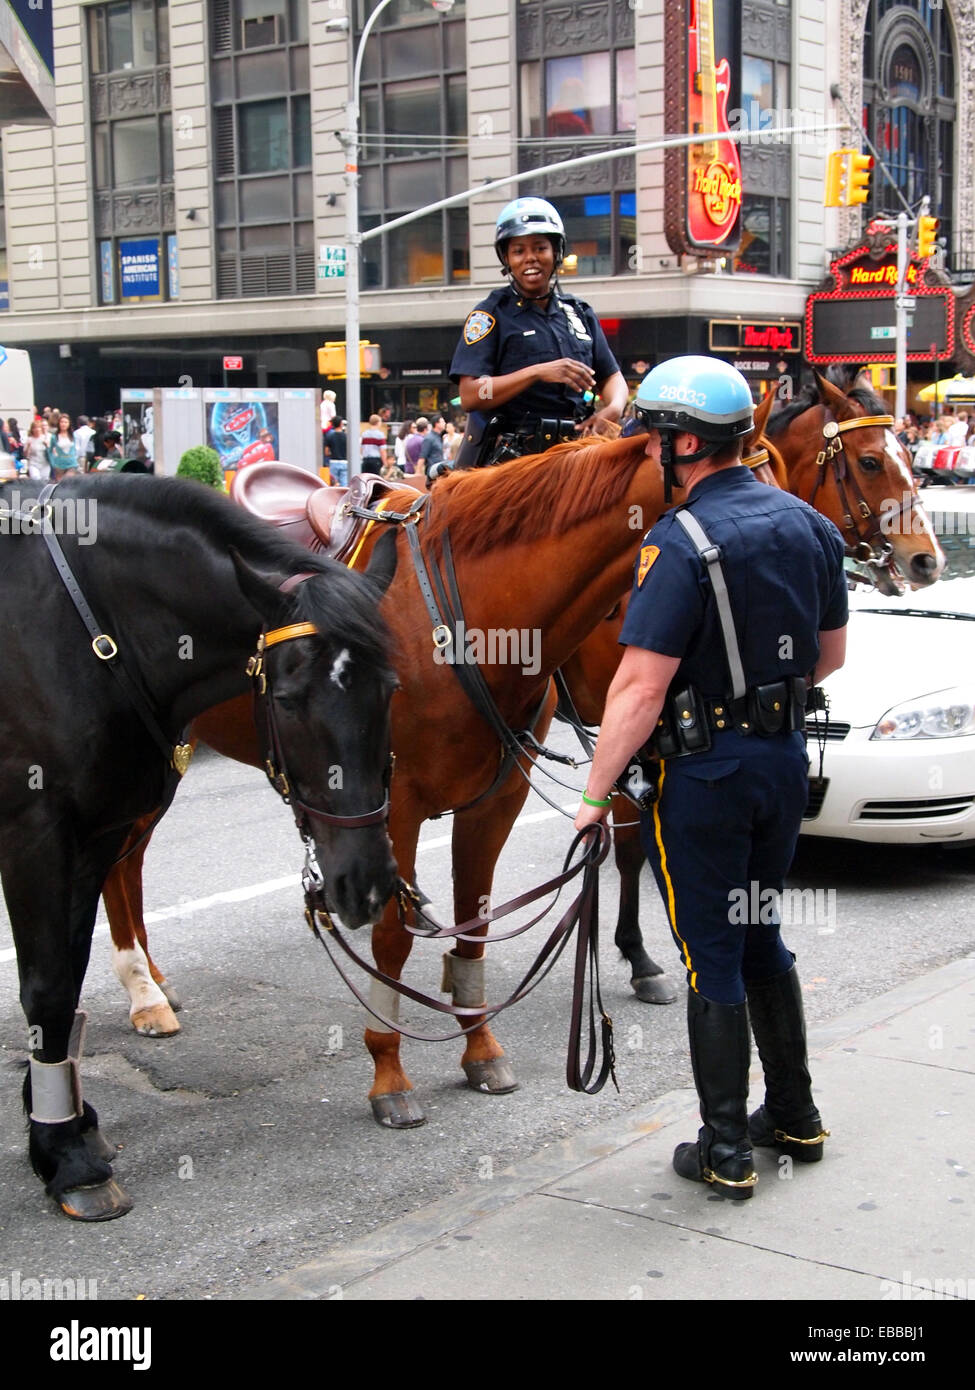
(131, 148)
(764, 245)
(580, 102)
(413, 147)
(910, 109)
(262, 147)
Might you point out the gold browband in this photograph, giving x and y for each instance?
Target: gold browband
(757, 459)
(285, 634)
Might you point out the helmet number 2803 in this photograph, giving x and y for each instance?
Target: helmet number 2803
(682, 393)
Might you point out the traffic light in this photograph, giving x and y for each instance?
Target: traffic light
(858, 184)
(331, 359)
(370, 358)
(834, 195)
(927, 230)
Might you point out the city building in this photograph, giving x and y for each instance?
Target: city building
(189, 202)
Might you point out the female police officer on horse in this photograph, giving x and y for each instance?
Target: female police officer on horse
(739, 604)
(531, 359)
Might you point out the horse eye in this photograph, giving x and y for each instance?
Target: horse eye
(869, 464)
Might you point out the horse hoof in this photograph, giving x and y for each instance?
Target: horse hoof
(103, 1202)
(398, 1110)
(655, 989)
(494, 1076)
(175, 1003)
(156, 1022)
(99, 1147)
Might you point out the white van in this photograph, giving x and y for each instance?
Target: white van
(16, 388)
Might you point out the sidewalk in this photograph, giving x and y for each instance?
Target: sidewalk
(887, 1215)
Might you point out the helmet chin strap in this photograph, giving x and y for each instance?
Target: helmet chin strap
(668, 462)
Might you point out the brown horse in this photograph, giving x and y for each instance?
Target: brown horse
(870, 496)
(564, 521)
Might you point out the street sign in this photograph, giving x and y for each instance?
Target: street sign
(906, 301)
(883, 331)
(332, 270)
(233, 364)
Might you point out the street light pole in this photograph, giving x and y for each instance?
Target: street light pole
(353, 237)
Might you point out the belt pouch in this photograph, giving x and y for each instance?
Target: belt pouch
(663, 741)
(689, 720)
(771, 707)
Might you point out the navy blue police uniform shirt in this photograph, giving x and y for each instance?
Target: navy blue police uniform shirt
(506, 332)
(782, 563)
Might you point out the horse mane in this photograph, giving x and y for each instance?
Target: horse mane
(533, 497)
(342, 607)
(842, 375)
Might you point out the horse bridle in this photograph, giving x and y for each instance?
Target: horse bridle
(832, 457)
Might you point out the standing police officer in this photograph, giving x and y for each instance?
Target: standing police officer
(530, 358)
(719, 680)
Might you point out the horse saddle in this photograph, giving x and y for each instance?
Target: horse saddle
(310, 512)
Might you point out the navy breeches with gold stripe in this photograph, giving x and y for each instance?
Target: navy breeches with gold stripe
(721, 833)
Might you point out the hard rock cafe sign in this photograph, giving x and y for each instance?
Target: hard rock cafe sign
(703, 181)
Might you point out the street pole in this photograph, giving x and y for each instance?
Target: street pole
(900, 399)
(353, 237)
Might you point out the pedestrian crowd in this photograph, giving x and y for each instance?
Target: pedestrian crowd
(55, 446)
(421, 448)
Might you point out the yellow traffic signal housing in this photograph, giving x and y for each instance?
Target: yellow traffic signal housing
(858, 183)
(927, 231)
(331, 359)
(834, 195)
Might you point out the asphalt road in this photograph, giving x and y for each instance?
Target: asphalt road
(247, 1142)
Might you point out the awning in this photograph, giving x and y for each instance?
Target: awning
(956, 388)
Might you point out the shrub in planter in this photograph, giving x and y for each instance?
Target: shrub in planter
(202, 463)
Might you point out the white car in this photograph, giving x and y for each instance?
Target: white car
(899, 764)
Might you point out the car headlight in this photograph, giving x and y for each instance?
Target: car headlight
(945, 714)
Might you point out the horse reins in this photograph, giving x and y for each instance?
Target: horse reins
(582, 912)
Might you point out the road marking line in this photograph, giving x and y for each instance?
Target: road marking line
(274, 885)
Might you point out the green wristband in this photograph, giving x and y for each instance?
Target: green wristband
(607, 801)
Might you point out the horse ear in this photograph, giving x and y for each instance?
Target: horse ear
(382, 562)
(263, 593)
(762, 411)
(834, 398)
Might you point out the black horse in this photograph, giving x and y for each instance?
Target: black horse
(185, 585)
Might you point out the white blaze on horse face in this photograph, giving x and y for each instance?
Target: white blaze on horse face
(339, 667)
(916, 521)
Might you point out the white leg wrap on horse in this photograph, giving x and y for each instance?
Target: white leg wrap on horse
(52, 1089)
(463, 979)
(385, 1000)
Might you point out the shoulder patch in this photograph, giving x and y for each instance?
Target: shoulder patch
(479, 324)
(648, 554)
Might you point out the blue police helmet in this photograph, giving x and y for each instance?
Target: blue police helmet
(702, 395)
(529, 217)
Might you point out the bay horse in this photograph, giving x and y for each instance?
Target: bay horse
(184, 585)
(543, 547)
(872, 499)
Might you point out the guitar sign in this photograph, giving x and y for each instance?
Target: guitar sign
(713, 167)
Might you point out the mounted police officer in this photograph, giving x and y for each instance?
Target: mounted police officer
(531, 359)
(739, 605)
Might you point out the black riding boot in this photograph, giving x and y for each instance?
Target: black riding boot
(789, 1120)
(720, 1052)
